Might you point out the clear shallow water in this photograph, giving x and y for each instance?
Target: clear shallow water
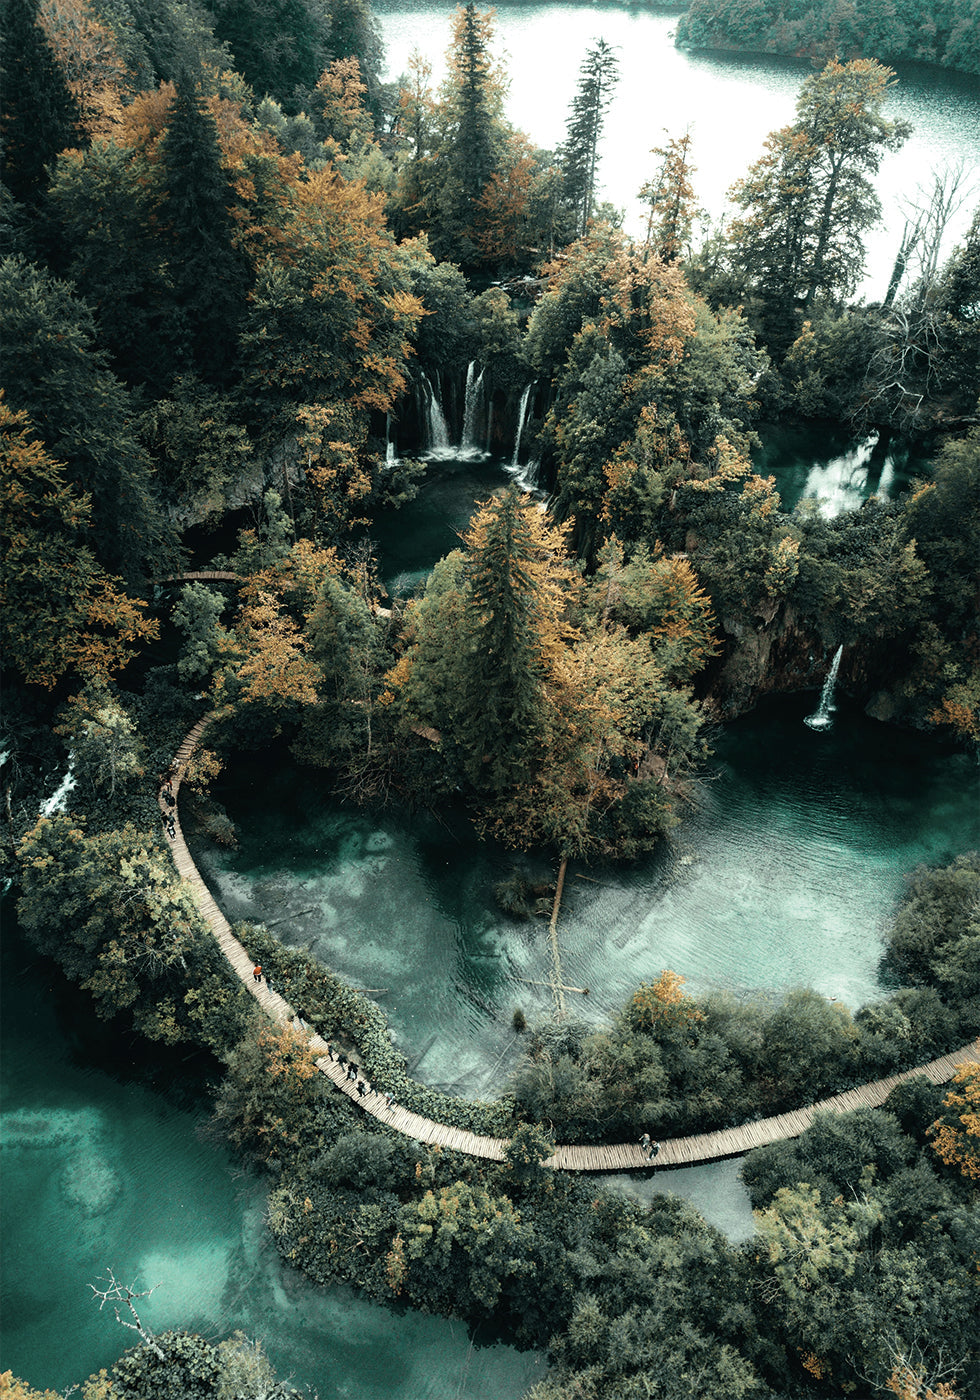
(99, 1172)
(785, 875)
(717, 1190)
(729, 102)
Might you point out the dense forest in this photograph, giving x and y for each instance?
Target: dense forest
(937, 31)
(232, 258)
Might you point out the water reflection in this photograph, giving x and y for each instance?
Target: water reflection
(822, 463)
(785, 874)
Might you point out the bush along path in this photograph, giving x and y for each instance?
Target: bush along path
(346, 1073)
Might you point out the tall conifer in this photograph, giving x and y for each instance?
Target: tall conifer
(38, 115)
(210, 277)
(580, 151)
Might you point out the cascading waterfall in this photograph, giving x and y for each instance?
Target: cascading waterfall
(56, 802)
(822, 717)
(515, 461)
(474, 387)
(435, 421)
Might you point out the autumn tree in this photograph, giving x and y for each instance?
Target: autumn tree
(579, 152)
(60, 612)
(670, 197)
(88, 53)
(956, 1136)
(807, 202)
(330, 325)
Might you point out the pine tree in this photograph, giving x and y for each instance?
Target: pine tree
(38, 115)
(54, 372)
(278, 45)
(579, 152)
(469, 152)
(473, 133)
(488, 642)
(210, 277)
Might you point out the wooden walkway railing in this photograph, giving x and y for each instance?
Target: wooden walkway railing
(674, 1152)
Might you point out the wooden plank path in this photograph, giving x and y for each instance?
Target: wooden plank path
(224, 576)
(598, 1157)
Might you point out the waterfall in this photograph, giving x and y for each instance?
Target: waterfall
(822, 715)
(390, 457)
(515, 461)
(436, 423)
(56, 802)
(474, 384)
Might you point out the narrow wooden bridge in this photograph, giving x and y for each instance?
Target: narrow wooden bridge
(675, 1152)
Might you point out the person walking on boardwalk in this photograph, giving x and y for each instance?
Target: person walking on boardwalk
(257, 973)
(650, 1147)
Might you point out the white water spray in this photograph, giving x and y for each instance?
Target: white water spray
(438, 433)
(474, 387)
(390, 457)
(515, 461)
(56, 802)
(822, 717)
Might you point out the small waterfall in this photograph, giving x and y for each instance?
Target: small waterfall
(822, 717)
(56, 802)
(390, 457)
(435, 422)
(474, 386)
(515, 461)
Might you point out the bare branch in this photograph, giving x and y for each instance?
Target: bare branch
(116, 1294)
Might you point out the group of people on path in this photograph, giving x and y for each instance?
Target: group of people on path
(351, 1072)
(348, 1066)
(169, 802)
(650, 1146)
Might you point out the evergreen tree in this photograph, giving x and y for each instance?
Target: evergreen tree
(473, 132)
(468, 152)
(278, 45)
(38, 115)
(53, 371)
(210, 277)
(487, 645)
(580, 151)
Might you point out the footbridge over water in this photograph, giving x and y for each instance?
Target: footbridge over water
(613, 1157)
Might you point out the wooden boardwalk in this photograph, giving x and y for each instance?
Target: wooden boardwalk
(605, 1157)
(201, 576)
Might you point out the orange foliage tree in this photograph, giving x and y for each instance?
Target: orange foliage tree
(59, 610)
(95, 73)
(662, 1003)
(956, 1136)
